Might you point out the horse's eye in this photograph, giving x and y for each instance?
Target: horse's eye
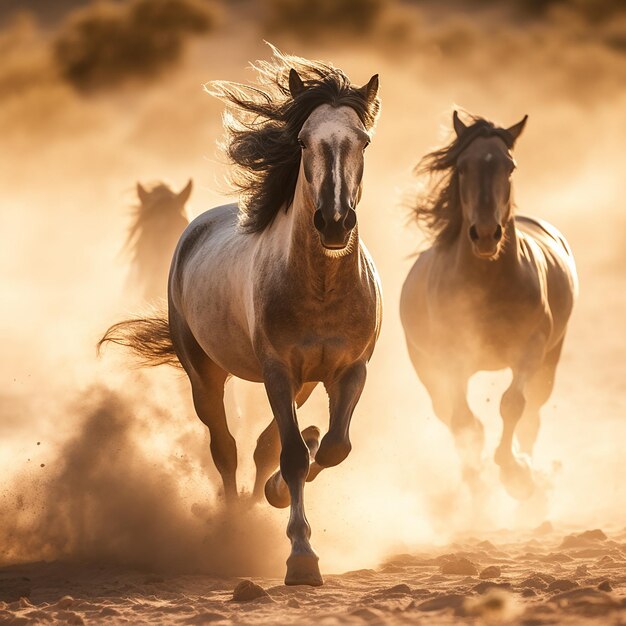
(301, 143)
(367, 143)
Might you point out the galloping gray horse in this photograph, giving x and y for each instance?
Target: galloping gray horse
(279, 290)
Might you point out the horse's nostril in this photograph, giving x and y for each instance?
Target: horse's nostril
(349, 221)
(318, 220)
(498, 234)
(473, 233)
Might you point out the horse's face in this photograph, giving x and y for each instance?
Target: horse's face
(163, 196)
(333, 140)
(484, 171)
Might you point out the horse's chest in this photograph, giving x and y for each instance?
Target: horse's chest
(486, 328)
(320, 334)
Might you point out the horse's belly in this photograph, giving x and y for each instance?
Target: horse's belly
(239, 359)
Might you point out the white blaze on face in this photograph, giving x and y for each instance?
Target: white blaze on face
(337, 183)
(338, 131)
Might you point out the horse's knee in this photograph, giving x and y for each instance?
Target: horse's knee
(512, 404)
(332, 450)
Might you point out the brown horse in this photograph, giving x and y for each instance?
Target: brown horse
(279, 290)
(494, 291)
(159, 221)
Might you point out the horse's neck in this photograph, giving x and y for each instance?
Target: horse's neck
(506, 266)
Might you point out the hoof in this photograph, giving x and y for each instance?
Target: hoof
(303, 569)
(276, 491)
(311, 436)
(517, 479)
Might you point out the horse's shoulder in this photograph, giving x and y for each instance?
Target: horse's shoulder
(544, 233)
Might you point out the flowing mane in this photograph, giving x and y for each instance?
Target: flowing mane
(262, 125)
(439, 211)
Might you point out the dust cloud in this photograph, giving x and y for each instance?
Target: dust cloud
(126, 475)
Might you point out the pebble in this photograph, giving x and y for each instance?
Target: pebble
(247, 590)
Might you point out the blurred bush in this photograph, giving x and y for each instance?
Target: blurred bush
(108, 43)
(311, 18)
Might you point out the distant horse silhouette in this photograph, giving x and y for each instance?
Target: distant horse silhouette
(159, 221)
(494, 291)
(279, 290)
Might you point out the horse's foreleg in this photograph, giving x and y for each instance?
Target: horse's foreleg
(302, 564)
(538, 392)
(469, 438)
(344, 393)
(267, 454)
(515, 472)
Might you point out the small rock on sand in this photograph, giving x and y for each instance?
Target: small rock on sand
(369, 615)
(583, 540)
(65, 602)
(459, 566)
(605, 585)
(493, 571)
(488, 585)
(247, 590)
(587, 601)
(449, 601)
(561, 585)
(534, 582)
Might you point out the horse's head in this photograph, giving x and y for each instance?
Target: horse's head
(484, 170)
(333, 140)
(161, 197)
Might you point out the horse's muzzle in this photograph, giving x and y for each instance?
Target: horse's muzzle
(335, 233)
(485, 239)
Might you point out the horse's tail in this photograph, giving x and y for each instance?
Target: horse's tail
(148, 337)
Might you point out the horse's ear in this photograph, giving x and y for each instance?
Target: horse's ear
(459, 126)
(371, 89)
(516, 130)
(296, 86)
(142, 193)
(183, 196)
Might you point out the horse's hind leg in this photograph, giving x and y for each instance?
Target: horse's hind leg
(207, 385)
(208, 400)
(538, 392)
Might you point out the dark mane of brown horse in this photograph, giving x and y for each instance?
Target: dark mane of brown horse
(439, 210)
(262, 134)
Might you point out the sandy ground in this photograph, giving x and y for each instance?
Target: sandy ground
(545, 577)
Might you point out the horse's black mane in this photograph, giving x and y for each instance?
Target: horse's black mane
(263, 124)
(440, 210)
